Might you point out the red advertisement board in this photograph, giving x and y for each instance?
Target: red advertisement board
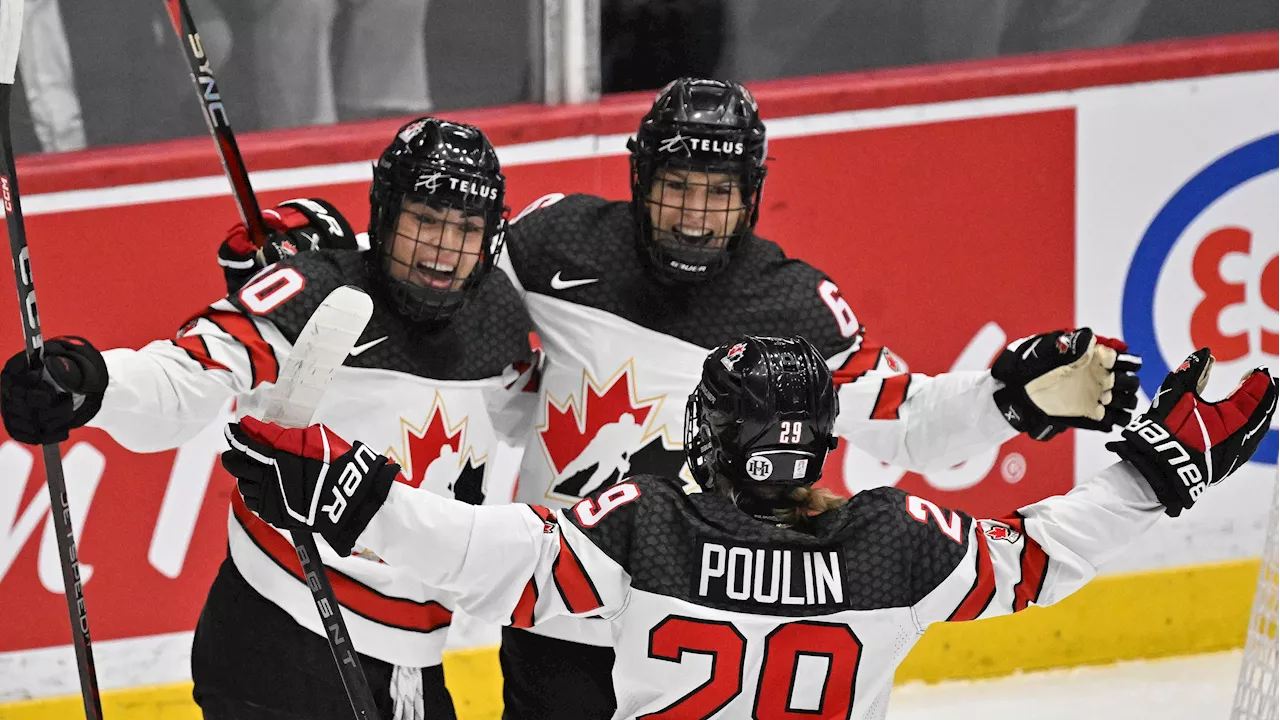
(930, 230)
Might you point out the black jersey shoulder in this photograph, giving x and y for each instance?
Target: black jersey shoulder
(581, 249)
(576, 238)
(486, 336)
(664, 538)
(886, 545)
(613, 531)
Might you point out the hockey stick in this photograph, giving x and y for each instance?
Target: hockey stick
(215, 117)
(10, 35)
(322, 346)
(294, 394)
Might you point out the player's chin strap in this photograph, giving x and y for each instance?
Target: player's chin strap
(406, 694)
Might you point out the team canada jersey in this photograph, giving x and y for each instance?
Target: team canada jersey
(623, 353)
(717, 615)
(436, 402)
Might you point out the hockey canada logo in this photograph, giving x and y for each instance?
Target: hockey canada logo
(603, 433)
(731, 358)
(434, 455)
(1000, 531)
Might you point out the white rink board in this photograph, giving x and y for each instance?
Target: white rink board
(1137, 147)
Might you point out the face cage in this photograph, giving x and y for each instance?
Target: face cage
(697, 244)
(697, 445)
(422, 271)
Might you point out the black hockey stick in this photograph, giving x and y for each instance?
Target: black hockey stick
(304, 544)
(215, 117)
(10, 35)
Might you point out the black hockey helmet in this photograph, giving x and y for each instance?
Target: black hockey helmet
(705, 126)
(434, 179)
(762, 416)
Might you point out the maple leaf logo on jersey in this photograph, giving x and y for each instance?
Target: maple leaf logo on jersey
(434, 454)
(1000, 531)
(605, 433)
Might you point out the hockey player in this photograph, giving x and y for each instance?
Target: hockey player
(749, 566)
(435, 380)
(627, 299)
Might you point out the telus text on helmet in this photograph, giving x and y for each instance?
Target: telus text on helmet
(685, 145)
(432, 183)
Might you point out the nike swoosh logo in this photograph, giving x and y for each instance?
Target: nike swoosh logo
(361, 348)
(559, 284)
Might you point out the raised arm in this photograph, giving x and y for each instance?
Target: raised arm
(1039, 385)
(1048, 550)
(517, 564)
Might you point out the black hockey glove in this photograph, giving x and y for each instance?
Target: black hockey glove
(1066, 379)
(1183, 444)
(308, 478)
(43, 402)
(295, 226)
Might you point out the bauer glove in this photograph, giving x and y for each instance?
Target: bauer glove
(1183, 444)
(308, 479)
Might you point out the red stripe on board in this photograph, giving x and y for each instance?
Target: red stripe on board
(1034, 562)
(195, 346)
(575, 587)
(793, 97)
(984, 586)
(360, 599)
(262, 359)
(893, 391)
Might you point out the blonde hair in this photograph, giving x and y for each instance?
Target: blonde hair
(810, 501)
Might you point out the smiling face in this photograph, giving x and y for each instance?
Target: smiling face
(696, 208)
(434, 247)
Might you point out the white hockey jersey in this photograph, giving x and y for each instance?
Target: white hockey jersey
(716, 615)
(437, 403)
(622, 354)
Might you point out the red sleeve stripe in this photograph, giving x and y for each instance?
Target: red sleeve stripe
(984, 585)
(1034, 563)
(858, 364)
(197, 350)
(353, 595)
(893, 392)
(576, 589)
(544, 514)
(262, 359)
(523, 616)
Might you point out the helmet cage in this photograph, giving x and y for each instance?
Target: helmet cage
(402, 180)
(682, 133)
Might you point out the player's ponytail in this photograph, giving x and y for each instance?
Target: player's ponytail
(809, 502)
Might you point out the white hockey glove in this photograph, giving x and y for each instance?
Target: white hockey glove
(1066, 379)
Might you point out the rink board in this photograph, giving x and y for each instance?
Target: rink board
(1128, 190)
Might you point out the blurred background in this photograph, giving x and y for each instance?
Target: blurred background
(98, 74)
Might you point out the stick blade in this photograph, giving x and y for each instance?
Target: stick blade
(322, 346)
